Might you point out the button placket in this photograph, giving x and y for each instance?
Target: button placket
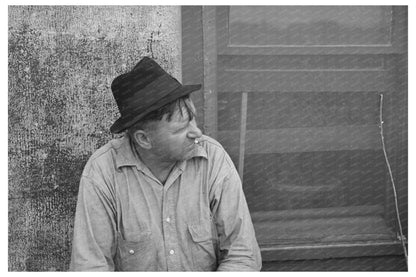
(166, 227)
(169, 228)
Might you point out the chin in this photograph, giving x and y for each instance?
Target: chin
(187, 155)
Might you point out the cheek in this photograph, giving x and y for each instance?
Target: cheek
(177, 143)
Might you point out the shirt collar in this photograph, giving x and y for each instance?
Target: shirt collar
(199, 152)
(126, 156)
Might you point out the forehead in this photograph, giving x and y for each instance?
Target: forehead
(179, 117)
(181, 111)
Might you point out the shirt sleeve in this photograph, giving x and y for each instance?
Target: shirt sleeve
(239, 250)
(93, 246)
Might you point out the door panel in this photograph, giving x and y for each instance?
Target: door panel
(298, 108)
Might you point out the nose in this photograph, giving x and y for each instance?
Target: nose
(194, 131)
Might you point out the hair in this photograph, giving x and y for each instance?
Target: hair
(157, 115)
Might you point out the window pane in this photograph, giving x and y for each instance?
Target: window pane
(272, 110)
(288, 160)
(312, 180)
(306, 25)
(314, 169)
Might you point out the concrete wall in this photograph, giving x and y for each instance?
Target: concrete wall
(62, 60)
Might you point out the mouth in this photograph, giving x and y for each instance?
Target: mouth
(194, 144)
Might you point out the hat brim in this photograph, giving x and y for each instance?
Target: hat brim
(124, 122)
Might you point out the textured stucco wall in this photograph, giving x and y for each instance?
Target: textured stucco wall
(62, 60)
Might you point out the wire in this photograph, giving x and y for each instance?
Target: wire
(402, 238)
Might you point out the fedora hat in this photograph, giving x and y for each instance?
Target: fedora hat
(146, 88)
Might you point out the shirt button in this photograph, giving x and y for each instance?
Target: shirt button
(171, 252)
(168, 219)
(131, 251)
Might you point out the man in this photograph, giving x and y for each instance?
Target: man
(163, 197)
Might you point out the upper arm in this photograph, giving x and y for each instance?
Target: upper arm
(94, 227)
(238, 244)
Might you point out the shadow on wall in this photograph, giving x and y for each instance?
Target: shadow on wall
(62, 60)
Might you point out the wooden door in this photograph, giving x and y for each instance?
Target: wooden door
(294, 95)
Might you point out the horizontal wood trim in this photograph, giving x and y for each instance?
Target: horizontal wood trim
(317, 213)
(310, 50)
(296, 80)
(302, 62)
(287, 140)
(325, 251)
(375, 263)
(322, 230)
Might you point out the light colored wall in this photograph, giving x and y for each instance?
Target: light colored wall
(62, 60)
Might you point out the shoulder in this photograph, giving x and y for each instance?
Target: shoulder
(212, 146)
(211, 143)
(103, 159)
(216, 154)
(222, 173)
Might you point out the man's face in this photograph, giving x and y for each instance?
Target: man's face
(174, 140)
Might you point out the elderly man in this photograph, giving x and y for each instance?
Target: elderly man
(163, 197)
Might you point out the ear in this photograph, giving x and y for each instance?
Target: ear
(142, 138)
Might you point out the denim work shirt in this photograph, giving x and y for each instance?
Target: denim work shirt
(127, 220)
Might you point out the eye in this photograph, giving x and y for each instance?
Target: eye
(181, 129)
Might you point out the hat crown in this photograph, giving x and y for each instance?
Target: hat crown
(144, 73)
(139, 91)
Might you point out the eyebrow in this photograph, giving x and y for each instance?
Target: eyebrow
(184, 121)
(179, 126)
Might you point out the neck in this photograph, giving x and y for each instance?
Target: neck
(158, 167)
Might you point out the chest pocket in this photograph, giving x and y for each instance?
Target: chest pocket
(138, 255)
(203, 247)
